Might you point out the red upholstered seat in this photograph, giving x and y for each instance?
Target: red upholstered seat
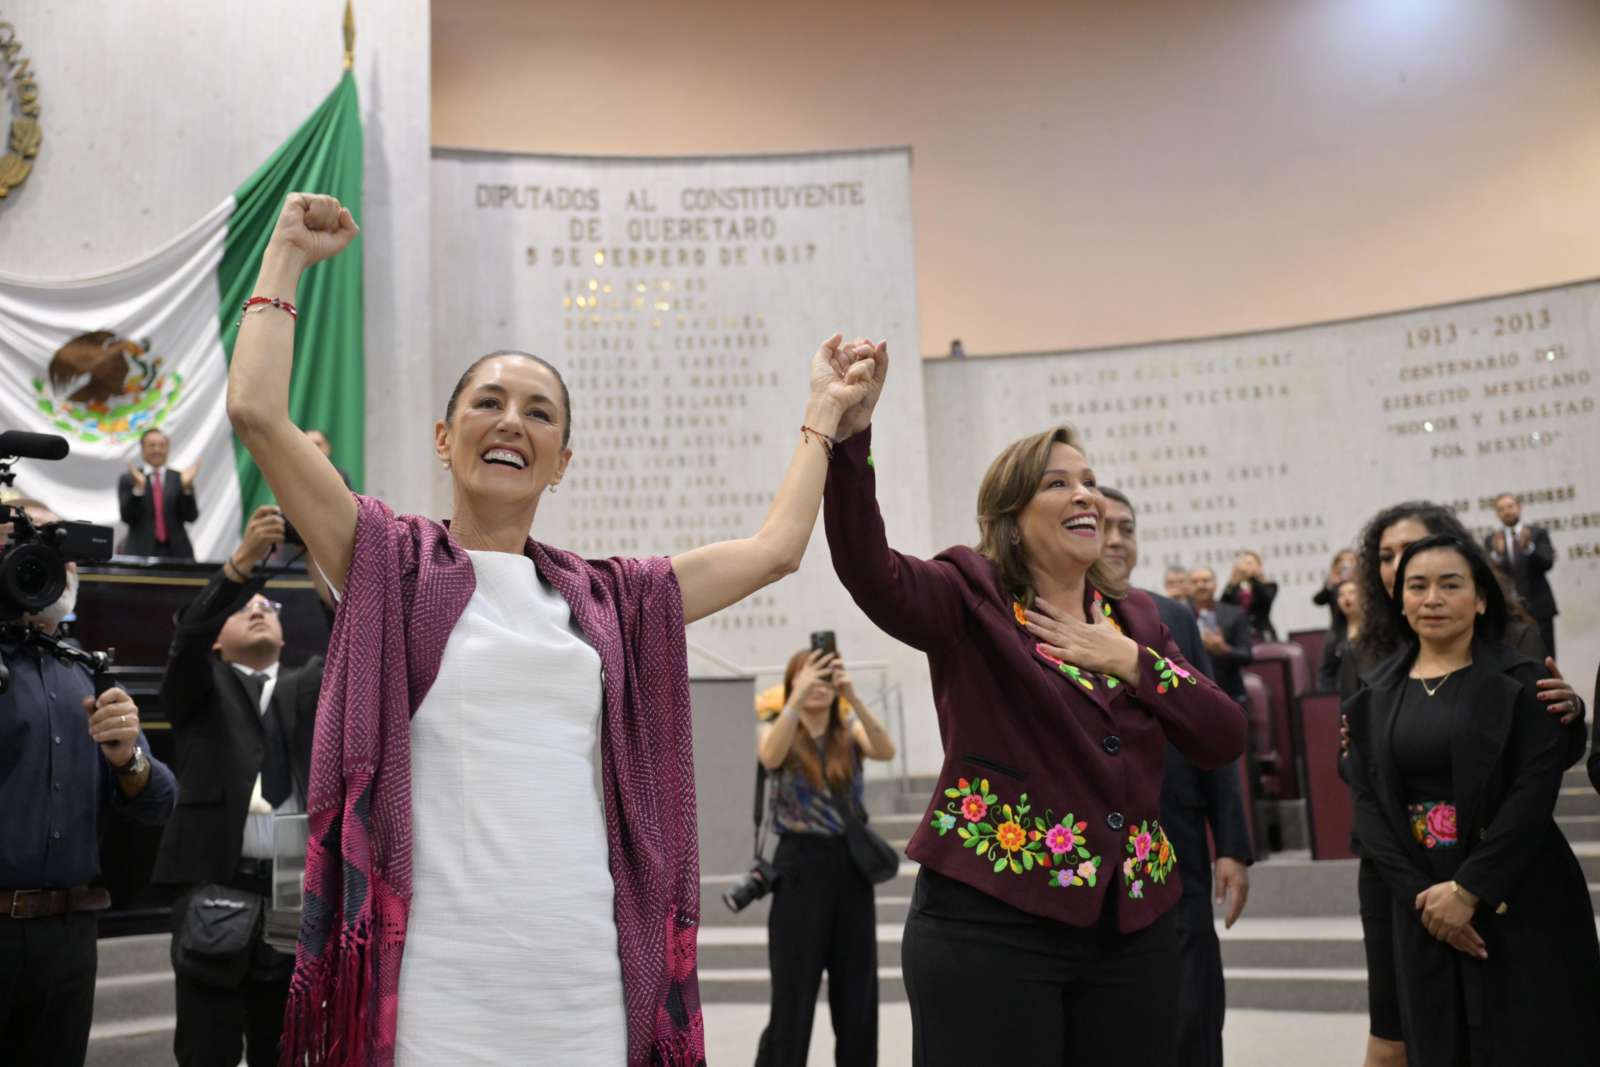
(1312, 643)
(1292, 654)
(1258, 713)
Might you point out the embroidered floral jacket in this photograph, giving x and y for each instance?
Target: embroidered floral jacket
(1050, 793)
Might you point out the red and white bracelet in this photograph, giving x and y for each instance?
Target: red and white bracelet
(265, 302)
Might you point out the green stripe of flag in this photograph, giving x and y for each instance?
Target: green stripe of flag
(328, 389)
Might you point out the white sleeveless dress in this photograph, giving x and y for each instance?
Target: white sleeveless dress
(511, 949)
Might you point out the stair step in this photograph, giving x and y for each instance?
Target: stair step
(126, 998)
(148, 1046)
(1274, 989)
(134, 955)
(1577, 800)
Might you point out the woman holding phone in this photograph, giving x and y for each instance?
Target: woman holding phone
(822, 916)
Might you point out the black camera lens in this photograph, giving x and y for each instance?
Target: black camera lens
(32, 577)
(752, 887)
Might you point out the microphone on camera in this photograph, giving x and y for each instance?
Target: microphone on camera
(20, 444)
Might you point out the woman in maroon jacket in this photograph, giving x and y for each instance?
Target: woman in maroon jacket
(1040, 929)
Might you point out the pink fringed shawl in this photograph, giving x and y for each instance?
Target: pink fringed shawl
(408, 584)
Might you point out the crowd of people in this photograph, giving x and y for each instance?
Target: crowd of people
(483, 692)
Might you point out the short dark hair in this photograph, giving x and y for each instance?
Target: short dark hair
(1491, 625)
(1119, 496)
(466, 376)
(151, 430)
(1501, 496)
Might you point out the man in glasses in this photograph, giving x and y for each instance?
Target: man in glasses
(242, 724)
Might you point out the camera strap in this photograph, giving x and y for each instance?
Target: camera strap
(763, 786)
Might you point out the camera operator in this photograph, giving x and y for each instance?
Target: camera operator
(822, 914)
(66, 758)
(243, 727)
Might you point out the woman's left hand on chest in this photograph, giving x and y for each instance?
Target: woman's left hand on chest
(1097, 646)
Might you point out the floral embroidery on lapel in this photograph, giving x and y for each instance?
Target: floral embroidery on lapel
(1078, 674)
(1016, 839)
(1082, 677)
(1149, 854)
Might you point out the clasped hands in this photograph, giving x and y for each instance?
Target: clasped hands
(1447, 915)
(1092, 646)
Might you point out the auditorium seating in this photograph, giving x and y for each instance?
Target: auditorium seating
(1282, 667)
(1328, 809)
(1312, 643)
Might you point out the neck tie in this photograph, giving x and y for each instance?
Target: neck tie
(156, 478)
(1511, 544)
(276, 785)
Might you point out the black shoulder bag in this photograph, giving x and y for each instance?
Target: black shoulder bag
(874, 857)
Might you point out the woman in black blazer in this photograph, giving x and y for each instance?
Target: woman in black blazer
(1455, 767)
(1383, 541)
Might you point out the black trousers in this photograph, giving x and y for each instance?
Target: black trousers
(217, 1026)
(1547, 631)
(991, 984)
(47, 973)
(822, 919)
(1202, 995)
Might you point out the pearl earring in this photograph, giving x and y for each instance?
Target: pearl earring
(552, 488)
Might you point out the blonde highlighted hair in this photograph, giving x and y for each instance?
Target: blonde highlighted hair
(1011, 481)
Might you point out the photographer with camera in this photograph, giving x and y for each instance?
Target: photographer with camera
(67, 758)
(822, 914)
(243, 725)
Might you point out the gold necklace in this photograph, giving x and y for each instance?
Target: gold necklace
(1424, 682)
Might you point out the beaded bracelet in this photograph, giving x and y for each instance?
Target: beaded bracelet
(265, 302)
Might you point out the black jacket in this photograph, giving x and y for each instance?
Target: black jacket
(1235, 627)
(220, 743)
(1521, 636)
(180, 508)
(1533, 1000)
(1594, 752)
(1262, 594)
(1190, 797)
(1528, 570)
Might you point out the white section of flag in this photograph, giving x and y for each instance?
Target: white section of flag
(170, 297)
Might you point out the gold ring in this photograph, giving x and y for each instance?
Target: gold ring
(123, 719)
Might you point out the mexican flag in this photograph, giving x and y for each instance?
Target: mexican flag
(102, 358)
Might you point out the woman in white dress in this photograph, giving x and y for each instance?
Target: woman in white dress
(523, 838)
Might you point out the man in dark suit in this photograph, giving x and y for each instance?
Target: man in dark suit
(1191, 799)
(1225, 629)
(1524, 552)
(156, 501)
(242, 725)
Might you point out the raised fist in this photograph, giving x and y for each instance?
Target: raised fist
(314, 226)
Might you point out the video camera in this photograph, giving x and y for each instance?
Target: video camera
(34, 557)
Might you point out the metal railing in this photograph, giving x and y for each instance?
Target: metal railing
(884, 699)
